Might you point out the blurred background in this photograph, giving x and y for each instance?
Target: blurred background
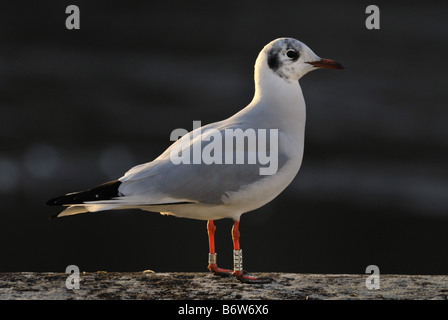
(80, 107)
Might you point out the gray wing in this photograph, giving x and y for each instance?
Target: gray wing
(162, 181)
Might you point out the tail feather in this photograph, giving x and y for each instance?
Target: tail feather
(74, 201)
(72, 210)
(104, 197)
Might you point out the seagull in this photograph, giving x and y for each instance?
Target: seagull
(222, 189)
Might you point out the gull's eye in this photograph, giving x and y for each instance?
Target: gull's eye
(292, 54)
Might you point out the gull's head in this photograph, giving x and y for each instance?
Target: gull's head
(291, 59)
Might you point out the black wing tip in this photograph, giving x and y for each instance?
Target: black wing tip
(55, 201)
(104, 191)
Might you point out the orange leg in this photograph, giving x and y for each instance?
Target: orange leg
(238, 272)
(212, 266)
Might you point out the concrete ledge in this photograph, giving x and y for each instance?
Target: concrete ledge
(192, 286)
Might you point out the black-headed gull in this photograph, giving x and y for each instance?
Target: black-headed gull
(221, 186)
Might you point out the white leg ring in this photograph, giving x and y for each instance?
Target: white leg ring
(212, 257)
(238, 260)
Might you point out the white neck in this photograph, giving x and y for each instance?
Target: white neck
(270, 87)
(279, 102)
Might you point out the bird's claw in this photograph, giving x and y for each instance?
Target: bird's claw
(215, 270)
(240, 275)
(243, 277)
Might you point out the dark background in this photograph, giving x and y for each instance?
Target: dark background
(80, 107)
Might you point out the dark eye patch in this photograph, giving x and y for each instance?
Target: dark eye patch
(292, 54)
(273, 60)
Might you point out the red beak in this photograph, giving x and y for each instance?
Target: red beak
(327, 63)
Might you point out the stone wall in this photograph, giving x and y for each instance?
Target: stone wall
(198, 286)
